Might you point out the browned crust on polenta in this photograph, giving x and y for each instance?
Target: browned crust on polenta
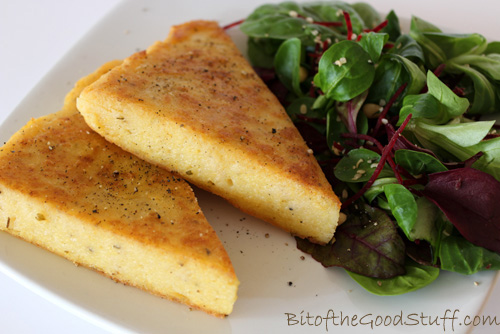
(81, 185)
(199, 81)
(204, 96)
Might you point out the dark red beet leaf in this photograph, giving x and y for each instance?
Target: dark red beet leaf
(367, 243)
(470, 199)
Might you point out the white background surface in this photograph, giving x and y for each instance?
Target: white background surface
(34, 36)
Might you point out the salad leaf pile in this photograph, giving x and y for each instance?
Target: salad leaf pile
(397, 122)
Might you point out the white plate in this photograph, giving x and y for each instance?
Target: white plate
(264, 265)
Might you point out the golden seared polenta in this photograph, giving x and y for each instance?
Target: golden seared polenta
(193, 105)
(65, 188)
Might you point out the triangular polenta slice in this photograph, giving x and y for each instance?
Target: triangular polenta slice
(65, 188)
(194, 105)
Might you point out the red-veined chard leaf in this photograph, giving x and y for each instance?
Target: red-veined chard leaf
(470, 200)
(417, 276)
(367, 243)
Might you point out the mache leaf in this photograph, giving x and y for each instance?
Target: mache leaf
(454, 106)
(369, 15)
(391, 73)
(373, 43)
(489, 65)
(492, 47)
(434, 55)
(425, 226)
(484, 96)
(377, 188)
(345, 71)
(420, 106)
(462, 134)
(357, 166)
(261, 52)
(438, 106)
(287, 64)
(403, 206)
(407, 47)
(490, 161)
(393, 27)
(418, 162)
